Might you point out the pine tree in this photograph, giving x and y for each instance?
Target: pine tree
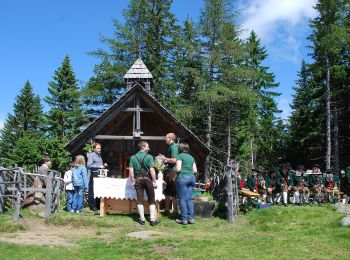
(329, 40)
(228, 100)
(262, 83)
(65, 117)
(187, 69)
(26, 119)
(305, 129)
(148, 32)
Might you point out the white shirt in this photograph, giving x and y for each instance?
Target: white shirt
(68, 180)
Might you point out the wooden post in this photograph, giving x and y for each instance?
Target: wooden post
(228, 173)
(48, 195)
(17, 204)
(103, 207)
(56, 191)
(235, 189)
(2, 191)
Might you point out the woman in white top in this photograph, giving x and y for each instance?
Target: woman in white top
(69, 187)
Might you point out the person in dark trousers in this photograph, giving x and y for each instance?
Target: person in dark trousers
(186, 168)
(94, 163)
(143, 177)
(170, 173)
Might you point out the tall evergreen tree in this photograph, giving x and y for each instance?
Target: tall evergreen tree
(26, 119)
(65, 117)
(262, 82)
(329, 39)
(148, 32)
(224, 88)
(187, 68)
(306, 139)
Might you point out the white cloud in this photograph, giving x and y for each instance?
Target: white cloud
(283, 104)
(280, 24)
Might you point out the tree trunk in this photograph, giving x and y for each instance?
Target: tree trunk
(229, 141)
(328, 114)
(207, 168)
(336, 144)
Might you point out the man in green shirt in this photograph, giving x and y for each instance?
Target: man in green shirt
(143, 177)
(316, 183)
(285, 182)
(170, 173)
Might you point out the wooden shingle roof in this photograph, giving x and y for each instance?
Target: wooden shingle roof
(138, 71)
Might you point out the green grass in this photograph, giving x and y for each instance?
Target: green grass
(311, 232)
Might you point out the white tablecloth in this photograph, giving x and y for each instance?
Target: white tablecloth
(121, 189)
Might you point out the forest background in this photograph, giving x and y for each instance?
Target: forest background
(211, 75)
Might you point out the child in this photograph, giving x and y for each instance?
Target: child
(69, 187)
(80, 183)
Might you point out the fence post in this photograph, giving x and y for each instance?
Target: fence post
(48, 195)
(17, 201)
(2, 191)
(228, 173)
(56, 191)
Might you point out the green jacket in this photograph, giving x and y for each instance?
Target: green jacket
(251, 182)
(315, 179)
(282, 177)
(267, 179)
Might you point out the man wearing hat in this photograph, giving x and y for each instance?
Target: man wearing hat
(256, 183)
(331, 187)
(297, 184)
(252, 182)
(316, 183)
(305, 191)
(285, 182)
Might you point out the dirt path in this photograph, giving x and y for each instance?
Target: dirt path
(39, 233)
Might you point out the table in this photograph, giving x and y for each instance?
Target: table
(119, 197)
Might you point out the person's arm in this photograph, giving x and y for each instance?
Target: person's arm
(178, 165)
(86, 180)
(194, 168)
(90, 160)
(168, 160)
(131, 175)
(153, 176)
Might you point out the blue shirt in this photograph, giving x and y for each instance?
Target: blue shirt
(94, 161)
(79, 176)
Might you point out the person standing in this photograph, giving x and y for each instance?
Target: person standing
(170, 173)
(44, 169)
(69, 187)
(80, 183)
(94, 164)
(186, 168)
(143, 177)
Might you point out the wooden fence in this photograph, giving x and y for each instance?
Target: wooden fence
(16, 185)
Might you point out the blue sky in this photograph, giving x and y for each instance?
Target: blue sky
(37, 34)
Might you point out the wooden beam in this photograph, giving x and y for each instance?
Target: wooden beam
(120, 137)
(134, 109)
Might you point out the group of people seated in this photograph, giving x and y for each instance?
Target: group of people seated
(297, 186)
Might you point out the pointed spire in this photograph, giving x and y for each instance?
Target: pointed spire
(138, 73)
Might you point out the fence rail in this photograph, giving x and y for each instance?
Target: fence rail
(16, 185)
